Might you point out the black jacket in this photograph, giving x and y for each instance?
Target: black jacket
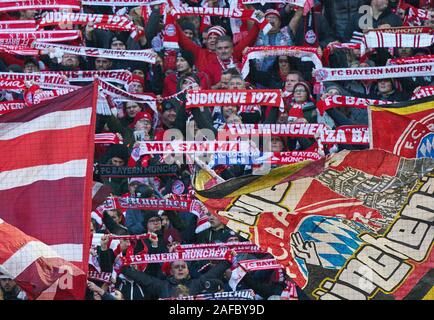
(166, 288)
(338, 14)
(387, 17)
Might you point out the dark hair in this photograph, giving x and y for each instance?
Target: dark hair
(224, 38)
(300, 75)
(275, 65)
(231, 71)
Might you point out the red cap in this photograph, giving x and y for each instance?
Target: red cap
(137, 78)
(272, 12)
(142, 115)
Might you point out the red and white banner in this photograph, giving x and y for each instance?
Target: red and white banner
(8, 106)
(27, 38)
(57, 181)
(412, 60)
(212, 98)
(423, 92)
(189, 147)
(18, 25)
(398, 71)
(337, 101)
(148, 55)
(122, 3)
(304, 53)
(223, 12)
(37, 267)
(118, 76)
(8, 6)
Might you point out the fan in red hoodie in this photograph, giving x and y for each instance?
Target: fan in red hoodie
(209, 59)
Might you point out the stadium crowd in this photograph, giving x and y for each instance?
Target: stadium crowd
(210, 57)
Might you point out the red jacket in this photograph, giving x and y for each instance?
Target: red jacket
(171, 81)
(206, 60)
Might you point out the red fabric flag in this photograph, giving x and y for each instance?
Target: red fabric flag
(46, 179)
(405, 129)
(37, 268)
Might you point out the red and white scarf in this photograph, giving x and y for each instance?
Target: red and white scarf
(244, 14)
(100, 276)
(42, 96)
(148, 204)
(107, 138)
(193, 254)
(307, 5)
(423, 92)
(337, 101)
(115, 93)
(17, 81)
(8, 106)
(122, 3)
(18, 25)
(193, 147)
(100, 21)
(398, 71)
(415, 16)
(344, 135)
(237, 246)
(304, 53)
(290, 157)
(211, 98)
(19, 50)
(382, 39)
(148, 55)
(8, 6)
(118, 76)
(170, 35)
(243, 267)
(134, 237)
(244, 295)
(301, 129)
(65, 18)
(327, 50)
(412, 60)
(27, 38)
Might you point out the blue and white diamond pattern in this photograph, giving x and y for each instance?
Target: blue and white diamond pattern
(426, 147)
(335, 241)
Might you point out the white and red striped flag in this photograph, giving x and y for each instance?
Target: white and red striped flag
(46, 179)
(37, 268)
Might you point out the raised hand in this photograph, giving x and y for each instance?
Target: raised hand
(305, 250)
